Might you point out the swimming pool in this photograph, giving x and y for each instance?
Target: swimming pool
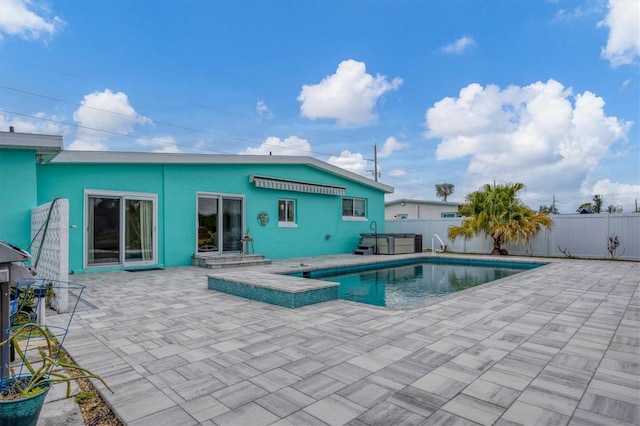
(411, 284)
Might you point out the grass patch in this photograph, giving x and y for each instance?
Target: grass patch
(84, 396)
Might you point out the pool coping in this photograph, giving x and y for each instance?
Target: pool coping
(272, 284)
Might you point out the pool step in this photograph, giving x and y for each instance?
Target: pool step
(364, 250)
(229, 261)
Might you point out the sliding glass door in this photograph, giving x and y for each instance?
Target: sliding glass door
(231, 224)
(208, 224)
(103, 232)
(138, 232)
(120, 229)
(220, 223)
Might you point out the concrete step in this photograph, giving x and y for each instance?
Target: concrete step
(228, 261)
(364, 250)
(238, 264)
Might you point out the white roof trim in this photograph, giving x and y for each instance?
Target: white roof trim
(424, 202)
(46, 146)
(297, 186)
(102, 157)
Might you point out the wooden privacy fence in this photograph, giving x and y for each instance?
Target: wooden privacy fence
(580, 235)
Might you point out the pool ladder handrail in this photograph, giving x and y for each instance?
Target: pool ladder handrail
(374, 227)
(433, 244)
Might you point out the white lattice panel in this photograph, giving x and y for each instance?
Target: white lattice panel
(50, 251)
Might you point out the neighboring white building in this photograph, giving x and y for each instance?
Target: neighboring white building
(419, 209)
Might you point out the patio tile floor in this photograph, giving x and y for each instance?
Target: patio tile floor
(553, 345)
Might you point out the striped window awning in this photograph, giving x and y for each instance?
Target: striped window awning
(297, 186)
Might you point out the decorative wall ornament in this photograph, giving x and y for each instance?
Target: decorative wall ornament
(263, 218)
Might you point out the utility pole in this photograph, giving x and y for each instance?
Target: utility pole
(375, 162)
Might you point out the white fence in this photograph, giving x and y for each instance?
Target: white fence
(50, 247)
(580, 235)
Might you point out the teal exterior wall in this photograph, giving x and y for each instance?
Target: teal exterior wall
(177, 185)
(18, 185)
(70, 181)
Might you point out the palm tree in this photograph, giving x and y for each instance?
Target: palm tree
(496, 211)
(443, 190)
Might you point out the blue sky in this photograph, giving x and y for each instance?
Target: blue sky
(460, 91)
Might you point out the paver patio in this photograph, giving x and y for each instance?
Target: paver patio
(554, 345)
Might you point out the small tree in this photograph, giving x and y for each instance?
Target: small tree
(612, 246)
(614, 209)
(443, 190)
(594, 207)
(496, 211)
(552, 209)
(597, 203)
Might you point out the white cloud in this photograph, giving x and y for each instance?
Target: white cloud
(533, 134)
(623, 20)
(390, 146)
(200, 145)
(100, 116)
(352, 161)
(164, 144)
(263, 112)
(614, 193)
(578, 11)
(292, 145)
(397, 172)
(348, 96)
(459, 46)
(23, 18)
(88, 145)
(43, 124)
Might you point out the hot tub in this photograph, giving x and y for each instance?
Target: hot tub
(390, 243)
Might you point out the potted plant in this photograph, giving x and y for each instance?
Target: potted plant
(23, 392)
(21, 307)
(247, 240)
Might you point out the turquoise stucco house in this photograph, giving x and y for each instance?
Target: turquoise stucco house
(132, 209)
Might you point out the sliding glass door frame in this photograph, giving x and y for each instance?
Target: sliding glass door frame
(226, 238)
(126, 203)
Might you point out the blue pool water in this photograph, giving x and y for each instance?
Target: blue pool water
(411, 284)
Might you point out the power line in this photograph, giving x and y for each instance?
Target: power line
(206, 107)
(136, 117)
(133, 117)
(80, 77)
(111, 132)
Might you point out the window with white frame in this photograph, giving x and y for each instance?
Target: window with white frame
(286, 212)
(354, 208)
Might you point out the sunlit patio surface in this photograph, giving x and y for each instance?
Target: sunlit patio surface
(555, 345)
